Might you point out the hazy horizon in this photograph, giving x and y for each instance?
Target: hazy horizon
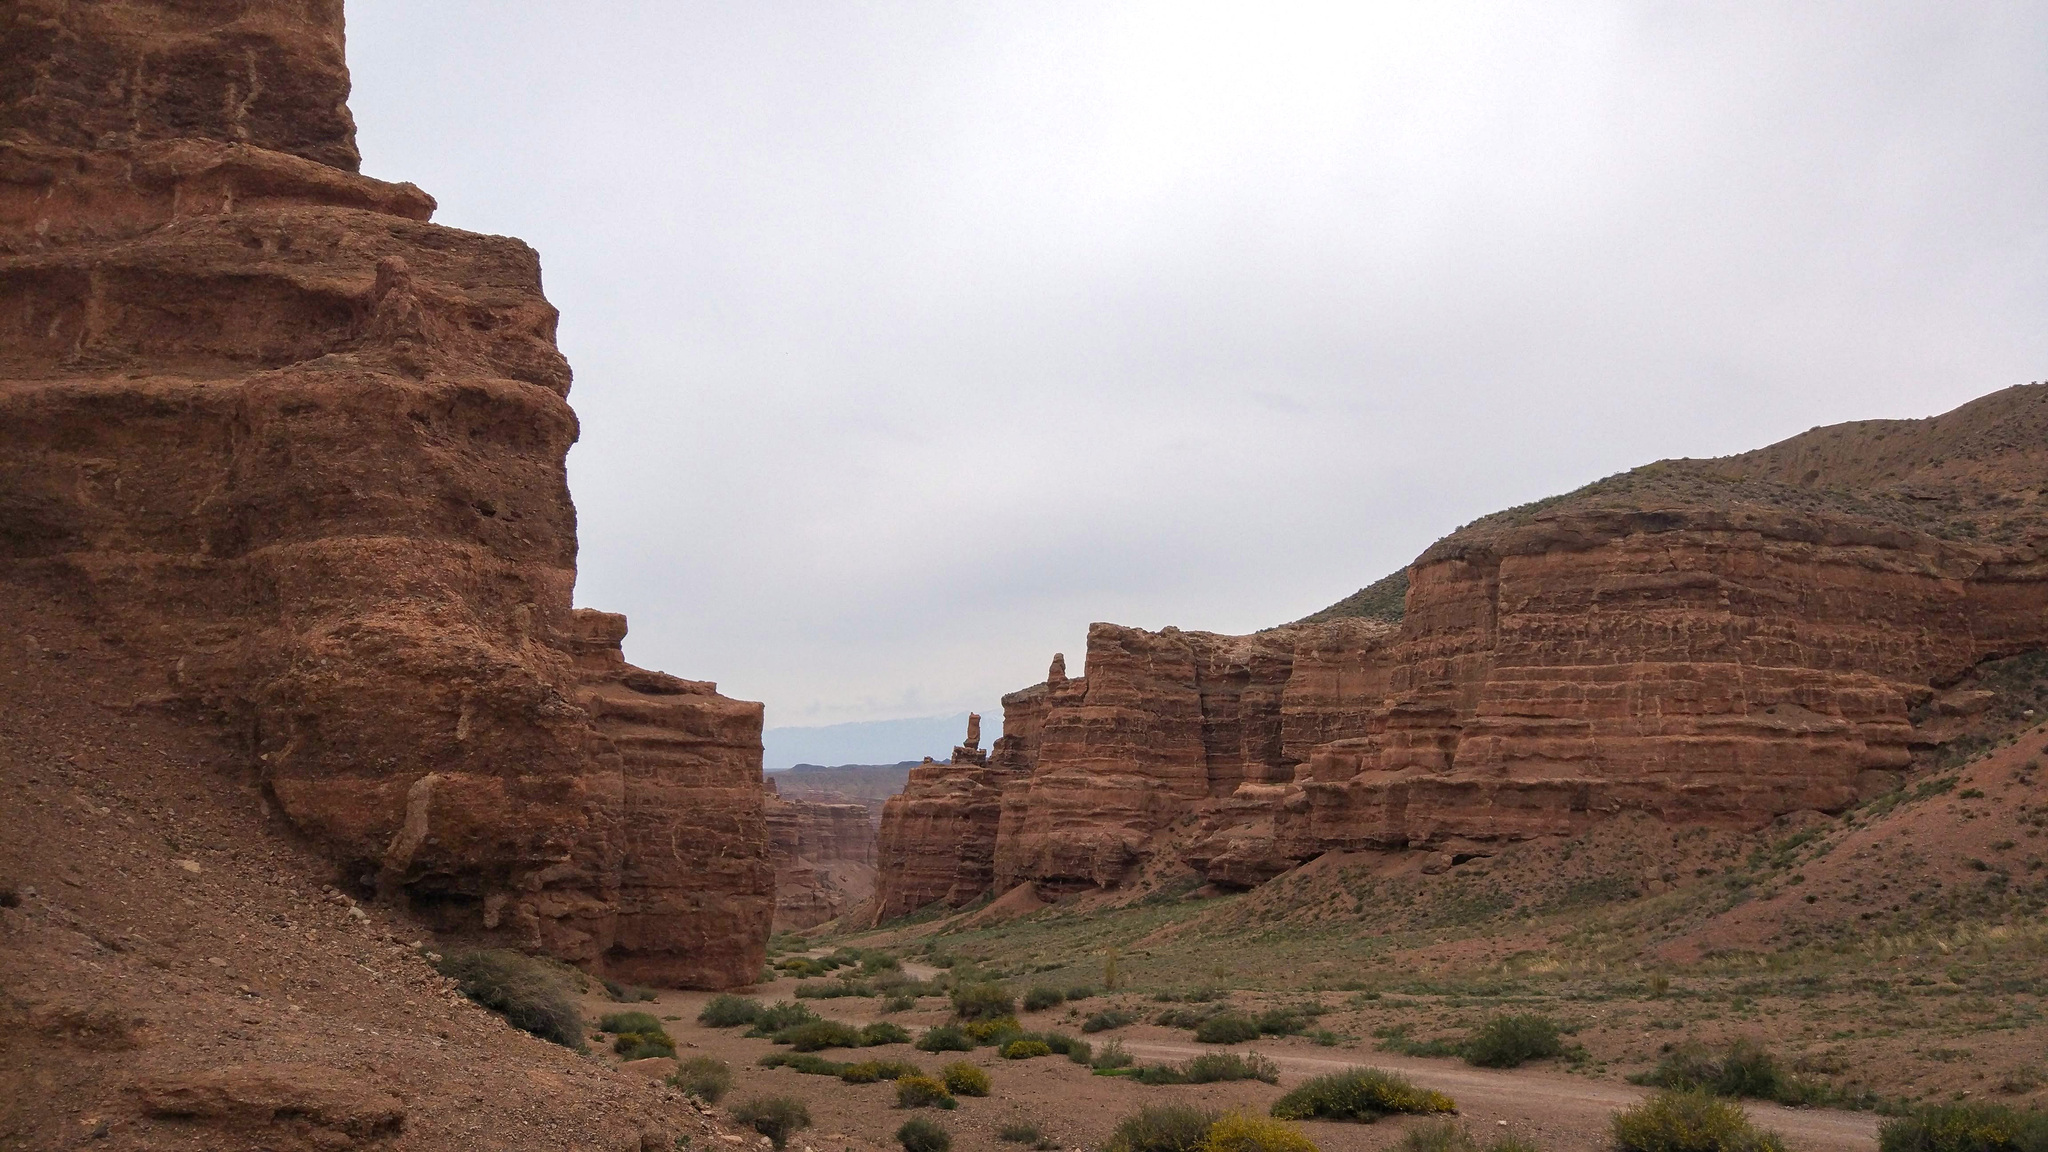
(912, 339)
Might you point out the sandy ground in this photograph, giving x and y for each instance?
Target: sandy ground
(1559, 1111)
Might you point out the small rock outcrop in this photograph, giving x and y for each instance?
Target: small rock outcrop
(303, 452)
(1720, 641)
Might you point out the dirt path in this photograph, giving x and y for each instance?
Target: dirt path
(1567, 1110)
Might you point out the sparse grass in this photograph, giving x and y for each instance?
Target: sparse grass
(776, 1117)
(1689, 1122)
(531, 994)
(705, 1077)
(964, 1079)
(922, 1134)
(1161, 1128)
(1358, 1094)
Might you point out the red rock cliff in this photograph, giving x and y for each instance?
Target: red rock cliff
(1724, 640)
(303, 451)
(824, 858)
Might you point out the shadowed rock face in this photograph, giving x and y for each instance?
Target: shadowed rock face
(303, 451)
(1721, 641)
(824, 858)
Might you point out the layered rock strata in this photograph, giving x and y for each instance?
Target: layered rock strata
(1722, 641)
(824, 858)
(303, 452)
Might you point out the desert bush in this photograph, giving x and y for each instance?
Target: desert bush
(1746, 1070)
(922, 1092)
(530, 994)
(1360, 1094)
(626, 993)
(899, 1003)
(946, 1038)
(1080, 992)
(804, 1062)
(1211, 1067)
(1160, 1074)
(1019, 1132)
(1450, 1136)
(1187, 1017)
(817, 1035)
(983, 1001)
(643, 1045)
(1965, 1128)
(775, 1117)
(1112, 1056)
(1228, 1028)
(1689, 1122)
(996, 1030)
(869, 1071)
(873, 963)
(705, 1077)
(773, 1018)
(1108, 1018)
(616, 1022)
(964, 1079)
(834, 989)
(920, 1134)
(1025, 1049)
(1237, 1132)
(1282, 1022)
(1511, 1041)
(883, 1032)
(1078, 1051)
(1161, 1128)
(1041, 997)
(729, 1012)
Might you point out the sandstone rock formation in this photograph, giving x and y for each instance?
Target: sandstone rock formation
(302, 451)
(824, 858)
(1721, 640)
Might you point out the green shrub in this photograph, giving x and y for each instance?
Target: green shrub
(1112, 1056)
(945, 1038)
(773, 1018)
(964, 1079)
(1282, 1022)
(775, 1117)
(626, 993)
(1228, 1028)
(530, 994)
(994, 1029)
(834, 989)
(1187, 1017)
(899, 1003)
(1689, 1122)
(1025, 1049)
(705, 1077)
(919, 1134)
(1160, 1074)
(873, 963)
(803, 1062)
(883, 1032)
(729, 1012)
(1965, 1128)
(817, 1035)
(618, 1022)
(983, 1001)
(1211, 1067)
(922, 1092)
(1360, 1094)
(1746, 1070)
(1161, 1128)
(1041, 997)
(1080, 992)
(1078, 1051)
(1019, 1132)
(1237, 1132)
(1108, 1018)
(1511, 1041)
(869, 1071)
(643, 1045)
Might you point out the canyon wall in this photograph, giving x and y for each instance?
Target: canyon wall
(823, 855)
(1721, 641)
(302, 452)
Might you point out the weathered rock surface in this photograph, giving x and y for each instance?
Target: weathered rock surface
(1725, 641)
(938, 836)
(302, 451)
(824, 858)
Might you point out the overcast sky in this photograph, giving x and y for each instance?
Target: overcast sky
(911, 338)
